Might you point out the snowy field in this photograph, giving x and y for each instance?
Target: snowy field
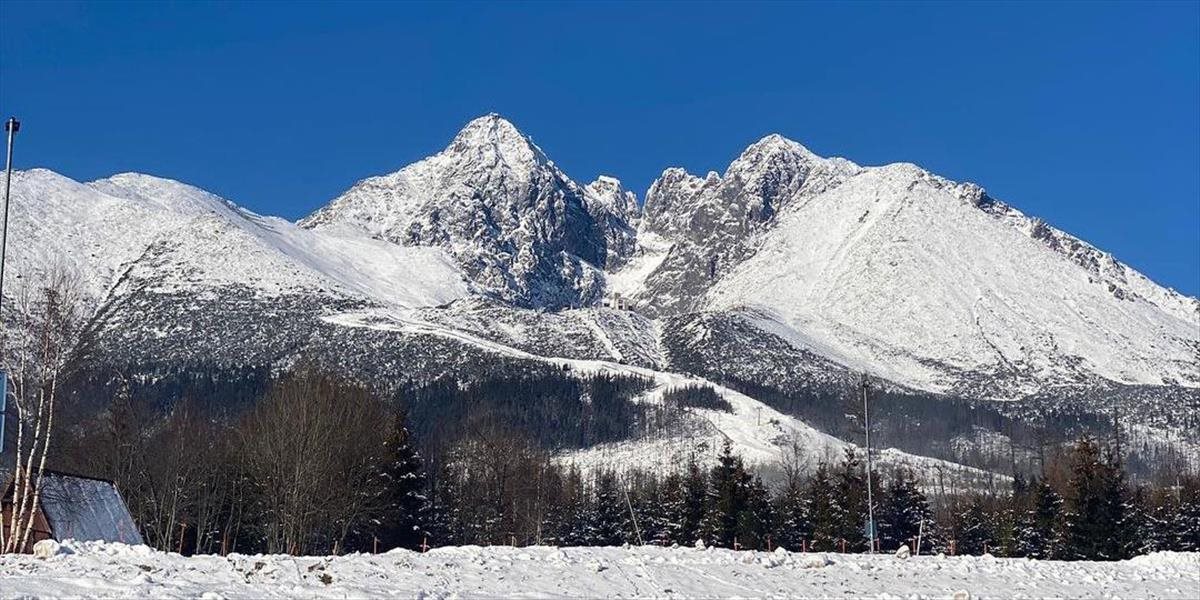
(113, 570)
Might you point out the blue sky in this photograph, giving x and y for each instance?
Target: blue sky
(1087, 115)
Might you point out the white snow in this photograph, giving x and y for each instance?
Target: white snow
(895, 271)
(97, 231)
(630, 279)
(100, 570)
(758, 433)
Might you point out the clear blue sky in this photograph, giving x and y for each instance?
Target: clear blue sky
(1087, 115)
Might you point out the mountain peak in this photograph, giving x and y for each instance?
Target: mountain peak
(775, 144)
(495, 139)
(490, 127)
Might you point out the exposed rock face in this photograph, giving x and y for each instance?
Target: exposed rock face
(517, 225)
(711, 222)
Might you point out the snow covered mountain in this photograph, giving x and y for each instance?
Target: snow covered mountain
(782, 279)
(520, 228)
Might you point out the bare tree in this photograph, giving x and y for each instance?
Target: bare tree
(310, 448)
(36, 351)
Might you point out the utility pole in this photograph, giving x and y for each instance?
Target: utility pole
(12, 126)
(870, 498)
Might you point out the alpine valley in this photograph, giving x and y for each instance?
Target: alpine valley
(986, 335)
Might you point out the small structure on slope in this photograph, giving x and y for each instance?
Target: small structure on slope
(75, 507)
(616, 301)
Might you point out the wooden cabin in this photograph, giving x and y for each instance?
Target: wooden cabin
(75, 507)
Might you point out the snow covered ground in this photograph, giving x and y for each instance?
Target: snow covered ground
(93, 569)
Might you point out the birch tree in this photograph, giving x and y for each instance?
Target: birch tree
(35, 353)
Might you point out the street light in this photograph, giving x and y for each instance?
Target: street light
(11, 127)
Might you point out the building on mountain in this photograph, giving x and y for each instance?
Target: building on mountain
(616, 301)
(75, 507)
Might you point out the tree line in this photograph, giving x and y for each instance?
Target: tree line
(322, 465)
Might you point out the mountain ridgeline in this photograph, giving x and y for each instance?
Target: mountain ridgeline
(775, 285)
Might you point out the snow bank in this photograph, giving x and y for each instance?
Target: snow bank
(93, 569)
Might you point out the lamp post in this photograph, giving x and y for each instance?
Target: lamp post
(11, 127)
(870, 499)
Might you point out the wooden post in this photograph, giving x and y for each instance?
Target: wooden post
(424, 544)
(985, 547)
(736, 545)
(843, 545)
(804, 545)
(952, 547)
(375, 544)
(769, 547)
(224, 543)
(182, 528)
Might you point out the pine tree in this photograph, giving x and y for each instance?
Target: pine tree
(728, 482)
(756, 516)
(695, 498)
(568, 516)
(823, 510)
(1095, 518)
(793, 508)
(972, 527)
(607, 517)
(850, 502)
(1037, 522)
(441, 519)
(668, 527)
(401, 487)
(1187, 525)
(901, 511)
(1160, 520)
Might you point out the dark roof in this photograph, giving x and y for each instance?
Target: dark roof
(86, 508)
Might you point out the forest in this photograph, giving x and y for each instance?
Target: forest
(321, 465)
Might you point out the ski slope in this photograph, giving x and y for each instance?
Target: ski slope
(758, 433)
(100, 570)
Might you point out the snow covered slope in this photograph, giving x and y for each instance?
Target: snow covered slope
(171, 236)
(903, 274)
(99, 570)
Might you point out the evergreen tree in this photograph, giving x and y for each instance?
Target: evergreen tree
(1095, 519)
(668, 528)
(1037, 522)
(568, 515)
(823, 510)
(1159, 525)
(695, 498)
(756, 516)
(793, 507)
(728, 483)
(607, 516)
(1187, 518)
(901, 512)
(401, 491)
(850, 502)
(973, 527)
